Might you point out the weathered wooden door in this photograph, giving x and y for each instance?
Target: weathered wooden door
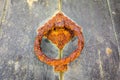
(100, 20)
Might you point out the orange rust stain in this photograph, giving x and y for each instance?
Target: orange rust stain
(59, 36)
(61, 68)
(108, 51)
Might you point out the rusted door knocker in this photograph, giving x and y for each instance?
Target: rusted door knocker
(60, 30)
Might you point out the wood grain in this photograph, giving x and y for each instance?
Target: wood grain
(100, 20)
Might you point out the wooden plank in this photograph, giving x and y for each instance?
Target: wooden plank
(115, 15)
(99, 59)
(95, 18)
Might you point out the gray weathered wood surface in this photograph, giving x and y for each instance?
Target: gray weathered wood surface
(100, 20)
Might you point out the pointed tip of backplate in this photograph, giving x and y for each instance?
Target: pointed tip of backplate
(58, 18)
(59, 29)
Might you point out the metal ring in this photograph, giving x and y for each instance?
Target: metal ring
(50, 24)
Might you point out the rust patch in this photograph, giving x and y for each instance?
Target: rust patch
(108, 51)
(60, 30)
(60, 36)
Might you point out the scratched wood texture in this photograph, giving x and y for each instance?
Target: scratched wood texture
(99, 60)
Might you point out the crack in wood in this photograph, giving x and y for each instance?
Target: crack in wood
(100, 66)
(3, 13)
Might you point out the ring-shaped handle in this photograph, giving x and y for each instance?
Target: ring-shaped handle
(55, 62)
